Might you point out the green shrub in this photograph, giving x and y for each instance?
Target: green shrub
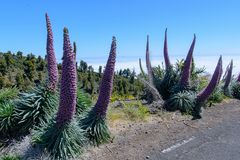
(6, 118)
(167, 83)
(10, 157)
(8, 94)
(202, 82)
(115, 114)
(96, 128)
(217, 96)
(184, 101)
(35, 108)
(116, 97)
(235, 89)
(62, 142)
(83, 102)
(133, 111)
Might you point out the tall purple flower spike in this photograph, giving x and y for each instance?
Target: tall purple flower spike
(68, 91)
(165, 51)
(148, 63)
(185, 78)
(228, 75)
(106, 85)
(203, 95)
(238, 78)
(51, 59)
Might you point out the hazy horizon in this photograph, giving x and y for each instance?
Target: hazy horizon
(208, 62)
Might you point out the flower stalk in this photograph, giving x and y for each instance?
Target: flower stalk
(95, 121)
(148, 64)
(204, 94)
(51, 58)
(185, 77)
(228, 76)
(68, 92)
(106, 85)
(165, 51)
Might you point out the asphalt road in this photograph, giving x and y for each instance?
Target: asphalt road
(222, 142)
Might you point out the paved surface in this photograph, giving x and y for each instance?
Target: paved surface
(221, 142)
(171, 136)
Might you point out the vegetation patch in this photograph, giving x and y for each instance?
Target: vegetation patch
(133, 111)
(10, 157)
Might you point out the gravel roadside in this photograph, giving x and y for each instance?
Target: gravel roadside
(140, 140)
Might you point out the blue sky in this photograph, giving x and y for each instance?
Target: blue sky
(92, 24)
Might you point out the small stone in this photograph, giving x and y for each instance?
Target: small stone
(147, 157)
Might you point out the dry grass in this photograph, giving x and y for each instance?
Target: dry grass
(133, 111)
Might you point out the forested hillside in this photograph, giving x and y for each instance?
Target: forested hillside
(25, 71)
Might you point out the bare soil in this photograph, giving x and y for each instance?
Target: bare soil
(138, 140)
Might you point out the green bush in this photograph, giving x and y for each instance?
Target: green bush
(62, 142)
(217, 96)
(35, 108)
(133, 111)
(96, 128)
(8, 94)
(202, 83)
(116, 97)
(10, 157)
(83, 102)
(235, 89)
(184, 101)
(6, 118)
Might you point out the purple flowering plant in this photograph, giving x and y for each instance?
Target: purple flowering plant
(95, 121)
(62, 137)
(51, 58)
(175, 87)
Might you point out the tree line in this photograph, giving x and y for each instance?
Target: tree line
(25, 71)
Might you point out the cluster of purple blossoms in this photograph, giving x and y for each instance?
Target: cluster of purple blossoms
(68, 92)
(106, 85)
(51, 59)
